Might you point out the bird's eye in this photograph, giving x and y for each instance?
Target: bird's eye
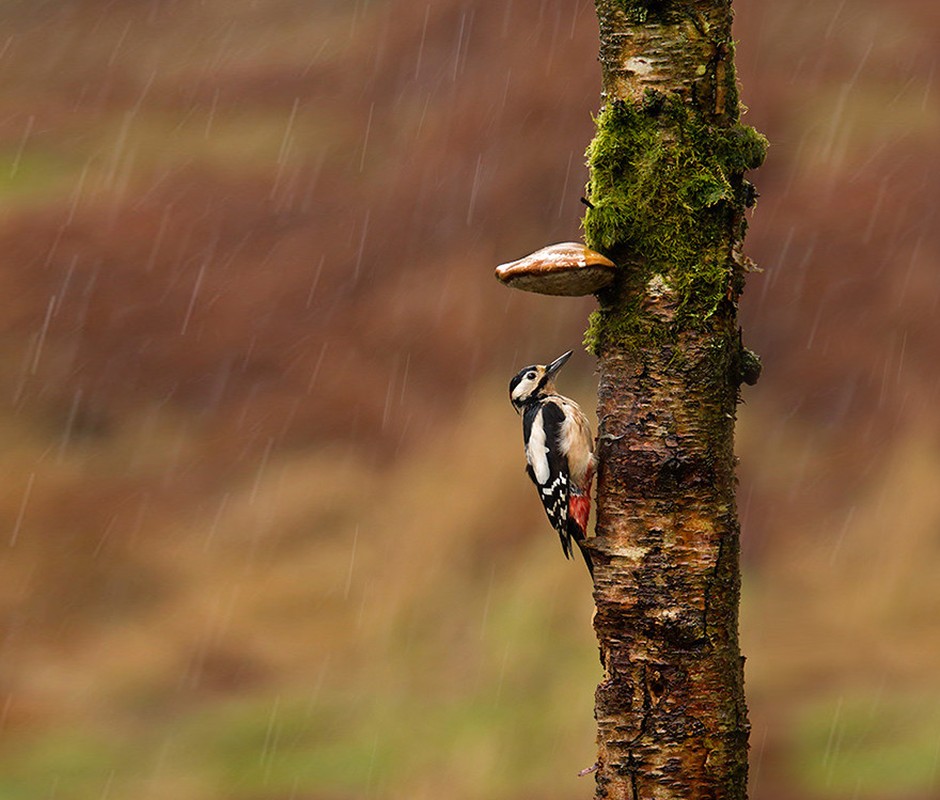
(530, 376)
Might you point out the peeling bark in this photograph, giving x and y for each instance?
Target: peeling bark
(671, 715)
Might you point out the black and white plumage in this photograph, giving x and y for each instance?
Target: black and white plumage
(558, 449)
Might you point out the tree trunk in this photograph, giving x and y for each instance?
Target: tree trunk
(667, 201)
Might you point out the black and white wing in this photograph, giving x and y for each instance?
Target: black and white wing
(547, 467)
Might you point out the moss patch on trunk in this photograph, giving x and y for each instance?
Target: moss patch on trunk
(665, 190)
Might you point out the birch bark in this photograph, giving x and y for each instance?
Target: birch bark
(668, 200)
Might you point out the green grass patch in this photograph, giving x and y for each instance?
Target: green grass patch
(493, 743)
(32, 174)
(870, 746)
(497, 705)
(72, 765)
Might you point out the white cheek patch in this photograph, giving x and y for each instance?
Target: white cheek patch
(536, 452)
(522, 389)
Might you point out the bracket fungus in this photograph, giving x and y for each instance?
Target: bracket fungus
(568, 268)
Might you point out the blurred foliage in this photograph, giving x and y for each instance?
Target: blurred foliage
(875, 744)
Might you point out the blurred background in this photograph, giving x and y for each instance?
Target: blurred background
(267, 532)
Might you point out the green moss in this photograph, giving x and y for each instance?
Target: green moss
(740, 148)
(666, 191)
(750, 366)
(605, 326)
(641, 11)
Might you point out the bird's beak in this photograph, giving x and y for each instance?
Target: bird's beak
(557, 364)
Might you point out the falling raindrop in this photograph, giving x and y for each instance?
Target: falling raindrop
(316, 368)
(486, 602)
(286, 145)
(362, 245)
(756, 761)
(833, 742)
(271, 737)
(505, 98)
(458, 53)
(875, 211)
(846, 524)
(69, 424)
(835, 18)
(259, 474)
(474, 188)
(564, 187)
(424, 35)
(365, 138)
(210, 117)
(21, 514)
(192, 299)
(404, 379)
(40, 341)
(14, 167)
(501, 678)
(389, 393)
(216, 520)
(316, 280)
(352, 563)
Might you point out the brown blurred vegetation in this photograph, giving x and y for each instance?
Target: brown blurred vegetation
(267, 530)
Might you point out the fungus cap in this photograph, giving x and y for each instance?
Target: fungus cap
(568, 268)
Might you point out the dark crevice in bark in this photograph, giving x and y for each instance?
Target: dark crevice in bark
(633, 778)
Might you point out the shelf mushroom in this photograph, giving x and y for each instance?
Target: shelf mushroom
(568, 268)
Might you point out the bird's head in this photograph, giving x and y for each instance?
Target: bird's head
(535, 381)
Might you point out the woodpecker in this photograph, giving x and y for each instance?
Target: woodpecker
(558, 451)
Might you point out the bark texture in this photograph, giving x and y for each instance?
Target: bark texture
(668, 197)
